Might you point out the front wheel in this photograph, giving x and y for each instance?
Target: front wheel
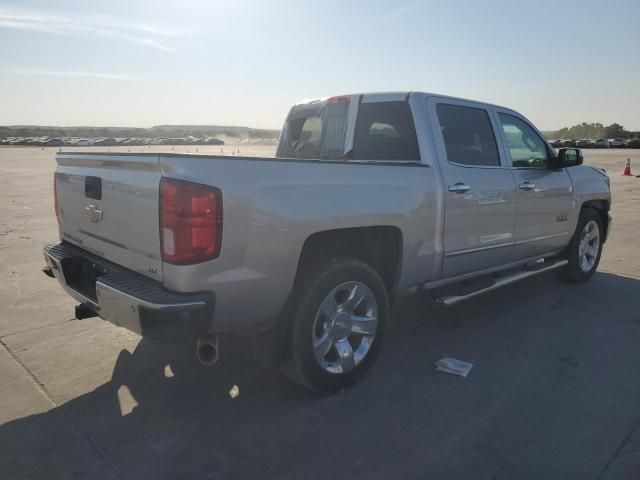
(585, 248)
(337, 324)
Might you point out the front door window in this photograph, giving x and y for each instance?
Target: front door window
(527, 149)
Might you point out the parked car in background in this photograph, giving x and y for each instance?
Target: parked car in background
(601, 143)
(632, 143)
(616, 143)
(556, 143)
(105, 142)
(584, 143)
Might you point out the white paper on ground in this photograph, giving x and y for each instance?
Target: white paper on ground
(454, 366)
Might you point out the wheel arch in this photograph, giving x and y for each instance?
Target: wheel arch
(380, 247)
(602, 209)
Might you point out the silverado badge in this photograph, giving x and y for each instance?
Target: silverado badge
(93, 213)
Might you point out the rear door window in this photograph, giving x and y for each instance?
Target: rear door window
(385, 131)
(468, 136)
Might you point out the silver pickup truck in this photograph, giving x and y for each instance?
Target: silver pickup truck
(370, 196)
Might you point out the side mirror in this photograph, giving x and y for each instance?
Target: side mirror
(568, 157)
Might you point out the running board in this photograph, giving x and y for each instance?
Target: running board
(449, 300)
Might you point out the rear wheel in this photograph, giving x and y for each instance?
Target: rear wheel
(585, 248)
(337, 324)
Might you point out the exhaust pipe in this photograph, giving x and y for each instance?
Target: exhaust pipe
(207, 349)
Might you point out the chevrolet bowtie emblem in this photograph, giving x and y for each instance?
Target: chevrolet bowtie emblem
(93, 213)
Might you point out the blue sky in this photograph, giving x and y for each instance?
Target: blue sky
(143, 63)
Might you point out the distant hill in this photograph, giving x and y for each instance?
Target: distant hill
(230, 131)
(172, 131)
(201, 128)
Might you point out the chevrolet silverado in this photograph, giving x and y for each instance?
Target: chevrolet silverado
(369, 196)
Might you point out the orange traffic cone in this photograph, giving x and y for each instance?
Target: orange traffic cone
(627, 168)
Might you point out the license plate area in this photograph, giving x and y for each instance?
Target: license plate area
(81, 274)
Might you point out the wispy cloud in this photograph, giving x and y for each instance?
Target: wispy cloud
(386, 15)
(98, 26)
(70, 73)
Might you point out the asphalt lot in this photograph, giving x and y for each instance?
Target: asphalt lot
(554, 393)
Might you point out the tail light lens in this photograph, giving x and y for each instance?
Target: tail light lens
(190, 221)
(55, 197)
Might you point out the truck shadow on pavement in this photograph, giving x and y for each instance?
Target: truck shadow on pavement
(550, 361)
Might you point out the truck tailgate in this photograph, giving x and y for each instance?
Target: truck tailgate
(108, 205)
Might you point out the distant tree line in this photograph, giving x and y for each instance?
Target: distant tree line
(592, 130)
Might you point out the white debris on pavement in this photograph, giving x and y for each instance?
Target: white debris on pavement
(454, 366)
(234, 392)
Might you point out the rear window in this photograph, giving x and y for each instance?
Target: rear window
(311, 130)
(385, 131)
(315, 130)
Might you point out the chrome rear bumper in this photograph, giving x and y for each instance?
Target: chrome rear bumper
(126, 298)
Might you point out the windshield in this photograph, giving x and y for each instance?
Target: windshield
(315, 130)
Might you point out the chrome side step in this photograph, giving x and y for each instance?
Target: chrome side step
(449, 300)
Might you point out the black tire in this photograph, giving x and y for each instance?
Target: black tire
(573, 272)
(300, 363)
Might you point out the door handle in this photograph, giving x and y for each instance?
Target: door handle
(459, 188)
(527, 186)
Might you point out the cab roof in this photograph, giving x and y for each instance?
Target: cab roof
(396, 96)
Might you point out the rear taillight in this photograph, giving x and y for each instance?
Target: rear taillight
(190, 221)
(55, 197)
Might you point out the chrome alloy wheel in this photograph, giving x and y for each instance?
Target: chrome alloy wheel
(345, 327)
(589, 246)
